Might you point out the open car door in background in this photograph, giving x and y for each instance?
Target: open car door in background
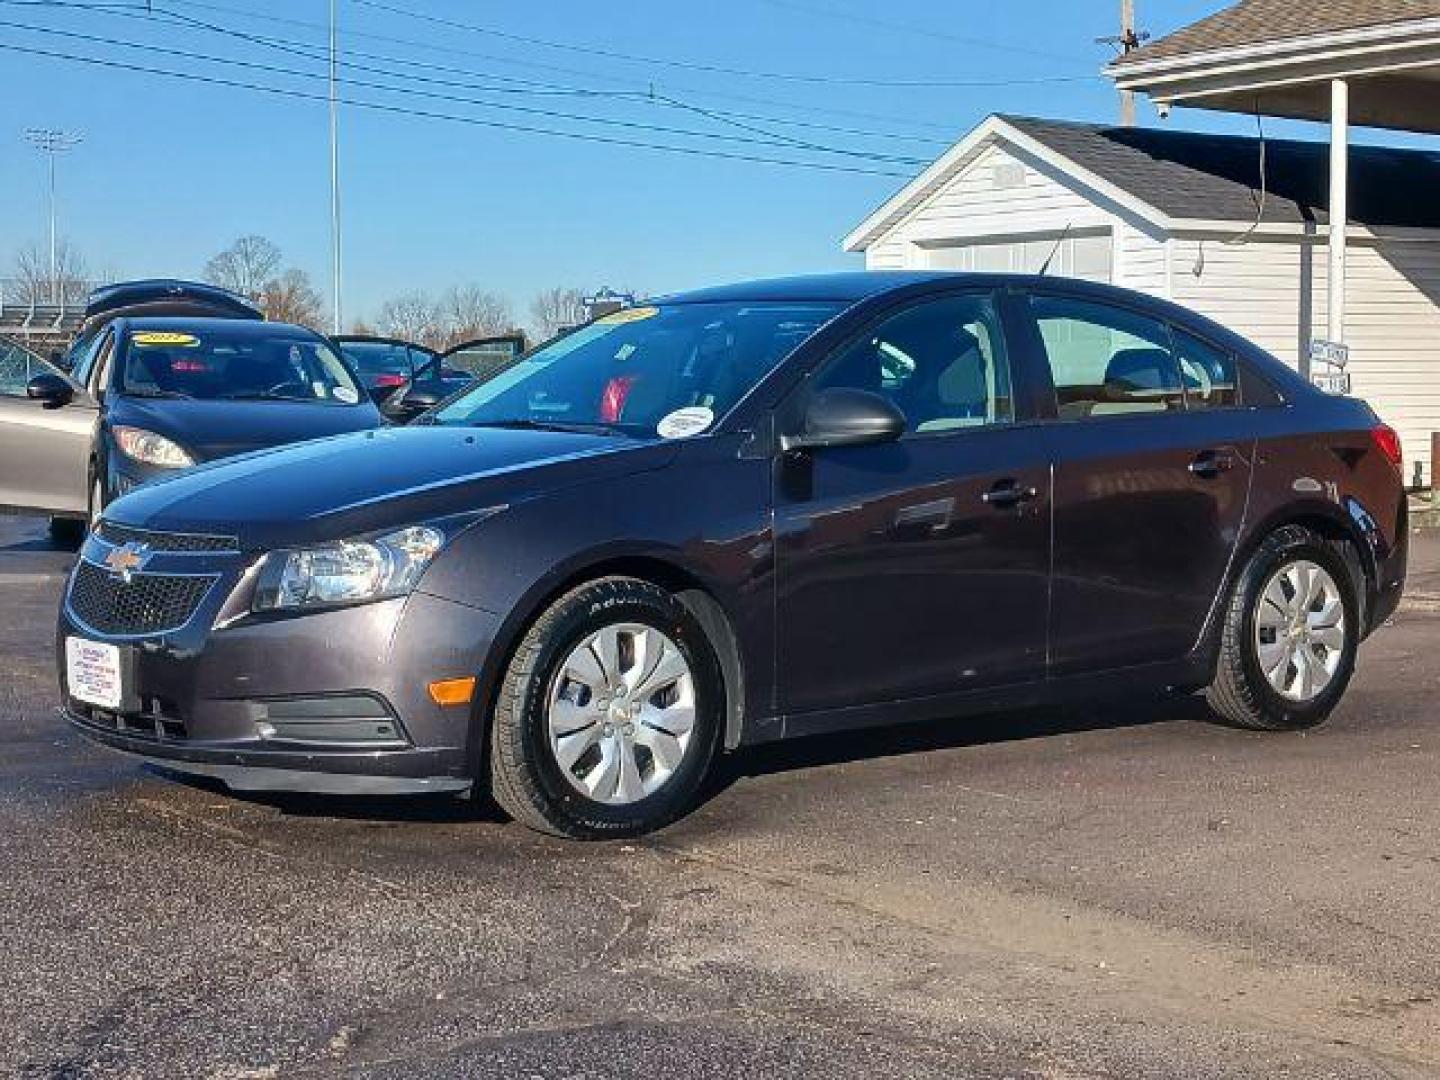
(458, 367)
(44, 443)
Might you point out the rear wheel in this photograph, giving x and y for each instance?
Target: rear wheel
(608, 714)
(1291, 634)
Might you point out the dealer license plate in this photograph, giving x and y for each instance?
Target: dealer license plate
(92, 672)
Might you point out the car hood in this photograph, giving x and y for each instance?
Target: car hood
(217, 429)
(354, 484)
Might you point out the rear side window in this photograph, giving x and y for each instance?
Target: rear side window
(1106, 361)
(1207, 372)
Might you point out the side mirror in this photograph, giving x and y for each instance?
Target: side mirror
(50, 390)
(845, 417)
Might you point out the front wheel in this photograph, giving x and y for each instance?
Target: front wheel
(608, 714)
(1291, 634)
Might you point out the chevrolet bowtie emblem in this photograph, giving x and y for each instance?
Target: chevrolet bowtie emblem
(123, 561)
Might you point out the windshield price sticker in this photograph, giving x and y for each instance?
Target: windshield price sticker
(165, 337)
(682, 423)
(628, 315)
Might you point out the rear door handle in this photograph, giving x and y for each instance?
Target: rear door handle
(1211, 463)
(1007, 493)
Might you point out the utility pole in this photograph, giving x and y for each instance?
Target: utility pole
(334, 170)
(1127, 41)
(50, 142)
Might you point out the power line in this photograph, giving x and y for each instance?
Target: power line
(530, 87)
(290, 72)
(689, 65)
(652, 97)
(529, 64)
(537, 88)
(401, 110)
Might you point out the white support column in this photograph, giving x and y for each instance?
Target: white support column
(1339, 206)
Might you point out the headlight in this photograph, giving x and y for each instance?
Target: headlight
(146, 446)
(347, 572)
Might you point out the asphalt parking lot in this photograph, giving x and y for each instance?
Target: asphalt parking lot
(1114, 890)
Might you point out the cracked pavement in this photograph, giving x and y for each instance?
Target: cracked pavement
(1117, 889)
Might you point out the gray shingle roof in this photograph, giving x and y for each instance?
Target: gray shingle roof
(1252, 22)
(1187, 174)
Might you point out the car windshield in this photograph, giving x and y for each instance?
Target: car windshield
(668, 371)
(220, 365)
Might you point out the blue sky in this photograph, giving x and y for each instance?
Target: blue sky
(171, 171)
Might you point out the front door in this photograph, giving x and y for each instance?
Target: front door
(917, 567)
(44, 453)
(1152, 474)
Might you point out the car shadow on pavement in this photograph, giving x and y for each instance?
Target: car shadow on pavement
(954, 733)
(421, 809)
(792, 755)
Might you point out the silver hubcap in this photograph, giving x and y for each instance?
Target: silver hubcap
(621, 713)
(1300, 630)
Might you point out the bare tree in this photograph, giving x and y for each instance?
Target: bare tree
(32, 280)
(414, 317)
(556, 308)
(247, 266)
(468, 311)
(291, 298)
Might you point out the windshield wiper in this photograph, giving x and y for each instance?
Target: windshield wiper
(527, 423)
(262, 395)
(158, 394)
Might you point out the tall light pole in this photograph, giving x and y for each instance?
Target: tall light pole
(334, 169)
(50, 142)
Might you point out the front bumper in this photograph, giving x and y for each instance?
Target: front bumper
(329, 701)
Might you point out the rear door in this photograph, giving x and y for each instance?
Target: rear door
(44, 453)
(1153, 460)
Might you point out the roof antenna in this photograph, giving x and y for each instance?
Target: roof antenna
(1045, 266)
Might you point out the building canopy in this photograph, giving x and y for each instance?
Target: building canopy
(1278, 57)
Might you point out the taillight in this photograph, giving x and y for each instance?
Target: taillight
(1387, 442)
(383, 381)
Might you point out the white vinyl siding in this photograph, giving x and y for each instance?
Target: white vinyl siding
(1141, 258)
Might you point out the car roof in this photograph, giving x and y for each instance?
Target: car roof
(847, 287)
(853, 286)
(254, 328)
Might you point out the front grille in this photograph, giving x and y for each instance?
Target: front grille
(147, 604)
(189, 543)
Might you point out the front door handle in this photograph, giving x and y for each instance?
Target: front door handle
(1211, 463)
(1008, 493)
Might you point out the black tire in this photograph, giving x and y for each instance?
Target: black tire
(1240, 694)
(525, 779)
(67, 532)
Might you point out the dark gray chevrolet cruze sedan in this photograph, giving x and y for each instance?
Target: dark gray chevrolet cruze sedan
(744, 514)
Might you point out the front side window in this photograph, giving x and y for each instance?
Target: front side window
(670, 370)
(1106, 361)
(223, 365)
(942, 363)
